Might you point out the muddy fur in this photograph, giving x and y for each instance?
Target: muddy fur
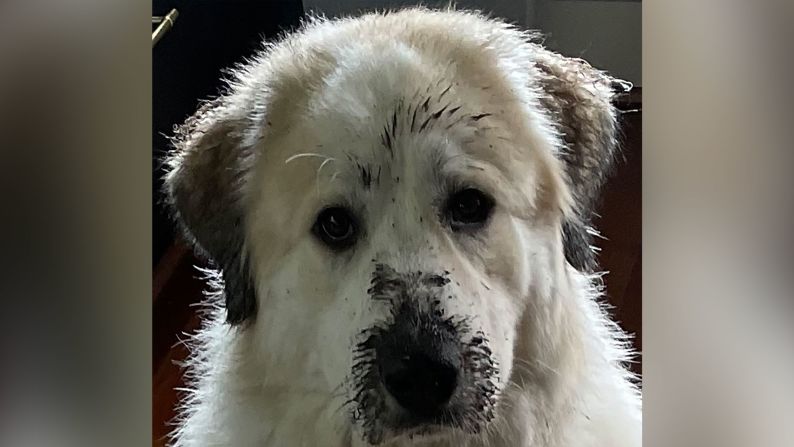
(388, 115)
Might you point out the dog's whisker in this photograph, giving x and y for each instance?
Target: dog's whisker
(304, 155)
(322, 165)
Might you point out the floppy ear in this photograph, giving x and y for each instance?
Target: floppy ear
(204, 185)
(579, 99)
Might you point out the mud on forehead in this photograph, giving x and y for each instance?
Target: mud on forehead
(421, 132)
(369, 124)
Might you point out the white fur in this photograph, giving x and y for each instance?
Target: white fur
(282, 379)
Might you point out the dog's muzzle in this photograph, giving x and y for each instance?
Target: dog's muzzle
(420, 366)
(420, 370)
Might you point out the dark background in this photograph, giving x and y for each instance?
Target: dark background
(208, 36)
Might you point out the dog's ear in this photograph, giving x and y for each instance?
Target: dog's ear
(204, 185)
(579, 100)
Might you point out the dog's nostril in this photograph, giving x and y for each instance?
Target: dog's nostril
(419, 383)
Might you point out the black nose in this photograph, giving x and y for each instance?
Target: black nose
(420, 382)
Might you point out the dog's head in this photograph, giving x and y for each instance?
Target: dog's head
(385, 199)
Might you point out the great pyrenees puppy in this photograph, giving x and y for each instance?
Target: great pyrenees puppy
(397, 208)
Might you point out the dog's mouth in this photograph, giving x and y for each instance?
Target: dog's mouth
(419, 380)
(391, 427)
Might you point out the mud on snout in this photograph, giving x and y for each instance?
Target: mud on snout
(420, 370)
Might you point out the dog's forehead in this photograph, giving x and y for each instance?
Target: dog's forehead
(377, 89)
(372, 78)
(401, 119)
(392, 117)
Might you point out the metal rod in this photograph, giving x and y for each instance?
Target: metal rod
(166, 24)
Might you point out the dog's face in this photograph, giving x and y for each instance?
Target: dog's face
(389, 226)
(397, 229)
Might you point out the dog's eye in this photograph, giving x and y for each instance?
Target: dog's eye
(336, 227)
(468, 209)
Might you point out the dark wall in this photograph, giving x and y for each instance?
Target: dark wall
(187, 65)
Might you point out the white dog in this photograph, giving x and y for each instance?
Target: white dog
(397, 206)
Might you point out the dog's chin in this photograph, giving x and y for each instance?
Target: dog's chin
(426, 433)
(419, 435)
(395, 427)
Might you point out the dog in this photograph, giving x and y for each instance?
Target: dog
(397, 206)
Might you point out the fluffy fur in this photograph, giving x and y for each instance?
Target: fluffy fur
(388, 114)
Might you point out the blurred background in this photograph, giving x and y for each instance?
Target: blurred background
(77, 112)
